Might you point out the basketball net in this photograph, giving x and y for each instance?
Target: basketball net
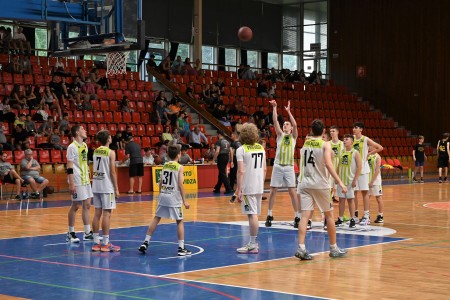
(116, 63)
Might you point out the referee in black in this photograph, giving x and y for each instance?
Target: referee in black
(223, 157)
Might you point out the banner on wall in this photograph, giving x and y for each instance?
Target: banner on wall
(190, 177)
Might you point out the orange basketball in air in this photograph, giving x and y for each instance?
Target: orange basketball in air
(245, 34)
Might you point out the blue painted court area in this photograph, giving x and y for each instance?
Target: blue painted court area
(48, 268)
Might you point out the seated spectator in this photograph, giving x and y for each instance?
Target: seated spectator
(30, 126)
(21, 120)
(46, 127)
(159, 115)
(166, 135)
(183, 124)
(258, 115)
(198, 68)
(19, 42)
(26, 65)
(247, 73)
(220, 84)
(3, 141)
(98, 81)
(64, 124)
(30, 172)
(190, 90)
(88, 90)
(50, 101)
(128, 132)
(163, 151)
(207, 94)
(165, 67)
(151, 63)
(117, 142)
(6, 39)
(187, 69)
(18, 137)
(238, 125)
(209, 155)
(149, 157)
(197, 139)
(162, 97)
(55, 140)
(177, 65)
(9, 174)
(124, 105)
(263, 90)
(220, 114)
(184, 157)
(41, 114)
(31, 99)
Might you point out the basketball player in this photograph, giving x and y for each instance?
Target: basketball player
(283, 168)
(79, 183)
(361, 144)
(251, 159)
(349, 170)
(337, 146)
(443, 151)
(375, 183)
(105, 188)
(314, 188)
(170, 199)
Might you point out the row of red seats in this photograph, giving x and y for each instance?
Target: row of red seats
(43, 156)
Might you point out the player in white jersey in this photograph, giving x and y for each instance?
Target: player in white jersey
(314, 188)
(349, 171)
(283, 169)
(79, 183)
(337, 146)
(251, 159)
(171, 199)
(105, 188)
(375, 188)
(361, 144)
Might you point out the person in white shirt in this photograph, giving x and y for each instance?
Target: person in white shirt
(20, 41)
(149, 159)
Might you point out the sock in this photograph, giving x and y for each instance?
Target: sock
(270, 212)
(366, 214)
(381, 214)
(105, 239)
(181, 244)
(252, 239)
(148, 238)
(71, 229)
(297, 214)
(302, 246)
(333, 247)
(96, 238)
(341, 218)
(87, 228)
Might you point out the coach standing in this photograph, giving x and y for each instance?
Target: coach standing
(223, 157)
(136, 169)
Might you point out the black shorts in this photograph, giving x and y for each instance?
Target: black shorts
(136, 170)
(442, 162)
(8, 179)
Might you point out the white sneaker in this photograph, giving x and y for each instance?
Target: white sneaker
(71, 237)
(248, 249)
(364, 221)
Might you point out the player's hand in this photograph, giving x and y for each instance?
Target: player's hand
(414, 159)
(353, 184)
(231, 165)
(72, 189)
(370, 184)
(344, 188)
(273, 103)
(288, 107)
(239, 196)
(117, 194)
(186, 205)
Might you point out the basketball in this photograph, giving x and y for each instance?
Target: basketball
(245, 34)
(50, 190)
(158, 160)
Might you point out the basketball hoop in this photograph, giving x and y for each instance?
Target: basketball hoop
(116, 63)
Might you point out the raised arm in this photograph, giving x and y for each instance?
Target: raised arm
(292, 120)
(275, 117)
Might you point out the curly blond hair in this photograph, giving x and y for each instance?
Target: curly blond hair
(249, 134)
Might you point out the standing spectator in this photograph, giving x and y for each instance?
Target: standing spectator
(151, 64)
(177, 65)
(9, 174)
(79, 183)
(443, 150)
(134, 153)
(30, 172)
(117, 142)
(223, 157)
(197, 139)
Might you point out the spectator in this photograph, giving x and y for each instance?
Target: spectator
(197, 139)
(151, 63)
(9, 174)
(162, 97)
(163, 150)
(41, 114)
(21, 120)
(177, 65)
(64, 124)
(127, 133)
(117, 142)
(263, 90)
(134, 153)
(50, 101)
(19, 42)
(31, 99)
(98, 81)
(183, 124)
(209, 154)
(165, 68)
(55, 140)
(30, 126)
(3, 141)
(198, 67)
(46, 128)
(26, 65)
(185, 158)
(187, 69)
(149, 157)
(166, 135)
(124, 105)
(88, 90)
(29, 170)
(247, 73)
(18, 137)
(220, 84)
(6, 39)
(160, 114)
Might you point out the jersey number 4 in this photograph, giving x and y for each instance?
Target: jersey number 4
(310, 159)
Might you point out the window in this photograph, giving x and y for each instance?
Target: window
(272, 60)
(290, 62)
(252, 59)
(208, 57)
(41, 41)
(183, 51)
(230, 59)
